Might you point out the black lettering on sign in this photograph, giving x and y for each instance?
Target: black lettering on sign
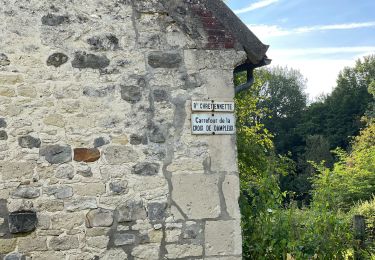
(213, 106)
(217, 123)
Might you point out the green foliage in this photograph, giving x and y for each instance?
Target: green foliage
(353, 177)
(319, 233)
(260, 192)
(349, 188)
(285, 102)
(348, 103)
(273, 229)
(328, 123)
(367, 209)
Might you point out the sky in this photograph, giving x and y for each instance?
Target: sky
(317, 37)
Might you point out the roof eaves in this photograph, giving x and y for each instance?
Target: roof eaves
(254, 48)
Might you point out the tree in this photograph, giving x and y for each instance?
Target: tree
(271, 231)
(335, 118)
(273, 228)
(352, 178)
(285, 101)
(259, 168)
(348, 103)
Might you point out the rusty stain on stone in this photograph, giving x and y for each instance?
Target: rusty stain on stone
(86, 154)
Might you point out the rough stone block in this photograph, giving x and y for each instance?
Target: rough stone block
(219, 84)
(152, 188)
(118, 187)
(89, 189)
(156, 211)
(57, 59)
(100, 141)
(146, 169)
(29, 244)
(186, 165)
(14, 256)
(156, 236)
(7, 245)
(97, 231)
(26, 91)
(120, 140)
(109, 172)
(122, 239)
(120, 154)
(67, 221)
(100, 242)
(99, 218)
(54, 20)
(146, 252)
(22, 222)
(28, 141)
(167, 60)
(49, 205)
(223, 160)
(107, 42)
(86, 154)
(56, 154)
(172, 235)
(131, 94)
(60, 192)
(138, 139)
(115, 253)
(176, 251)
(44, 221)
(15, 170)
(157, 134)
(131, 211)
(3, 135)
(160, 95)
(105, 91)
(10, 79)
(92, 61)
(63, 243)
(3, 123)
(193, 233)
(231, 191)
(197, 195)
(191, 81)
(4, 60)
(223, 238)
(7, 91)
(65, 171)
(48, 255)
(26, 192)
(77, 204)
(84, 171)
(54, 120)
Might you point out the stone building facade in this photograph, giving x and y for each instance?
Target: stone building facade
(97, 159)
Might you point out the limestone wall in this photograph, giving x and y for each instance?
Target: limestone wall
(97, 160)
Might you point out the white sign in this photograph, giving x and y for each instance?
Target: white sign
(213, 124)
(212, 106)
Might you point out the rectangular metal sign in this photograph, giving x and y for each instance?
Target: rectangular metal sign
(213, 106)
(213, 124)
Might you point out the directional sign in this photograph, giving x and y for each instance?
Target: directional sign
(213, 124)
(212, 106)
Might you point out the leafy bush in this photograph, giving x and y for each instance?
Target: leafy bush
(353, 177)
(367, 209)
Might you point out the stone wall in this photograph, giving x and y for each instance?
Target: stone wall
(97, 160)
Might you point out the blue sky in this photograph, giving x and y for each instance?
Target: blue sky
(318, 37)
